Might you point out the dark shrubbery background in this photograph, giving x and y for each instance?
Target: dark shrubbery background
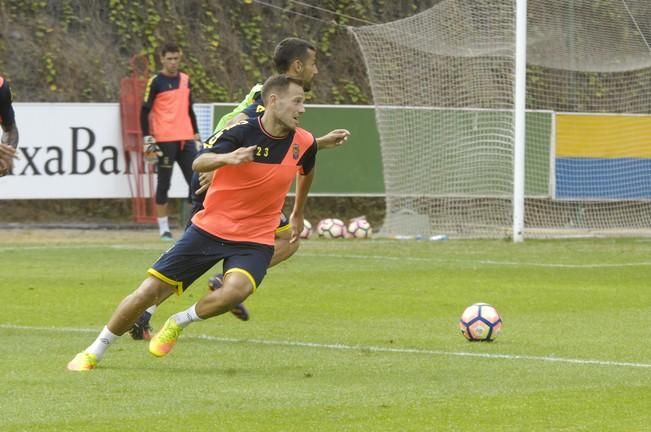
(77, 51)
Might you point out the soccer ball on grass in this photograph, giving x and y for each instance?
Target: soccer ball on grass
(331, 228)
(359, 228)
(480, 322)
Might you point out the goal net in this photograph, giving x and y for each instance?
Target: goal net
(443, 87)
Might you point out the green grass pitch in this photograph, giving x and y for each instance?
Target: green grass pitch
(346, 336)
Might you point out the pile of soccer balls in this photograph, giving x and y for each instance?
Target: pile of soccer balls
(333, 228)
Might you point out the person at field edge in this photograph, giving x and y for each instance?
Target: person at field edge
(296, 58)
(258, 159)
(169, 128)
(9, 138)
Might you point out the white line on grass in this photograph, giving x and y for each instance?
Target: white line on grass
(358, 256)
(485, 262)
(344, 347)
(153, 247)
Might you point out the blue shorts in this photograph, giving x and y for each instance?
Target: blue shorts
(196, 252)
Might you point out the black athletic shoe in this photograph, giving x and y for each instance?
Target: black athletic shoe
(141, 329)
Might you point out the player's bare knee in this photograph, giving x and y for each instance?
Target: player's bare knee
(151, 291)
(238, 293)
(237, 287)
(234, 291)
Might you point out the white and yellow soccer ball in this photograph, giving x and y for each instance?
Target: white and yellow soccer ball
(331, 228)
(307, 229)
(359, 228)
(480, 322)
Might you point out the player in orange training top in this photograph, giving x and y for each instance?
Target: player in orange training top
(169, 128)
(258, 159)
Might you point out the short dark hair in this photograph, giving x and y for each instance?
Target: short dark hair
(288, 50)
(169, 47)
(279, 82)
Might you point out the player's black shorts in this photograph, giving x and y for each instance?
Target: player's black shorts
(181, 152)
(197, 251)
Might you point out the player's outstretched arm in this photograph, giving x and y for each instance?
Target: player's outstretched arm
(211, 161)
(332, 139)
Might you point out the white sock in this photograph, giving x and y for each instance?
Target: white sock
(163, 224)
(183, 319)
(151, 309)
(101, 344)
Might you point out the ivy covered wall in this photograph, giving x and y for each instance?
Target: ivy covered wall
(77, 51)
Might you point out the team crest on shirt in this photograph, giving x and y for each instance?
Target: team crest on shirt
(295, 151)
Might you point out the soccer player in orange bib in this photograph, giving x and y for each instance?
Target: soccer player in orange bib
(258, 159)
(169, 128)
(293, 57)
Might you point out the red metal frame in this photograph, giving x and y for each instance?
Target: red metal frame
(141, 175)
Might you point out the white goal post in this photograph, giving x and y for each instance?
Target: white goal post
(455, 89)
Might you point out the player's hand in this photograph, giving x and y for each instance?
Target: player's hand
(5, 167)
(7, 156)
(7, 151)
(333, 139)
(198, 144)
(149, 140)
(297, 222)
(205, 178)
(241, 155)
(151, 151)
(10, 137)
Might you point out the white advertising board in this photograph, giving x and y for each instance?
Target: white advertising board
(73, 150)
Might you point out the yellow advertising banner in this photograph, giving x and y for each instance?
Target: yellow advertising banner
(603, 136)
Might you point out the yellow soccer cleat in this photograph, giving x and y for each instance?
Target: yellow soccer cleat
(162, 343)
(83, 362)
